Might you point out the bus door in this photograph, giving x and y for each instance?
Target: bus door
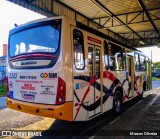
(131, 71)
(94, 64)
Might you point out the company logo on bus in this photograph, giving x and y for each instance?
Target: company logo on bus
(48, 75)
(44, 75)
(28, 62)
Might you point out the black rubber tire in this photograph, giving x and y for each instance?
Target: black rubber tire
(117, 103)
(141, 95)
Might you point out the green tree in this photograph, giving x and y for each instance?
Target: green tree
(157, 65)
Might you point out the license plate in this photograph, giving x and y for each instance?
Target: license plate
(28, 97)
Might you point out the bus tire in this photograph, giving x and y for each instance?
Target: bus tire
(144, 86)
(143, 89)
(117, 103)
(141, 95)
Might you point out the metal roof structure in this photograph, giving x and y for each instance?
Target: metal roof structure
(133, 22)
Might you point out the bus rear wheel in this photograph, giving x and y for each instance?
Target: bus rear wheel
(117, 103)
(143, 89)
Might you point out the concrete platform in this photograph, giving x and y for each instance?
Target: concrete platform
(140, 121)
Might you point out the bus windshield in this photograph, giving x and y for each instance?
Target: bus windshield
(37, 39)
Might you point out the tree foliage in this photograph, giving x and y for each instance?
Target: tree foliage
(157, 65)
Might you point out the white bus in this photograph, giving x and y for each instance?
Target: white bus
(63, 69)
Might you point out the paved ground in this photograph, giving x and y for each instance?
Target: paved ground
(138, 117)
(10, 119)
(142, 119)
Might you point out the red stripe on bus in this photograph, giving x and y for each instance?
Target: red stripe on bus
(109, 75)
(94, 40)
(33, 55)
(87, 91)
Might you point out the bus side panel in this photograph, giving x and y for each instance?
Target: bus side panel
(66, 71)
(88, 91)
(109, 103)
(139, 76)
(80, 86)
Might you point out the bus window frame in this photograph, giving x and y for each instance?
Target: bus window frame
(124, 59)
(82, 50)
(105, 47)
(144, 62)
(139, 67)
(32, 26)
(112, 45)
(136, 61)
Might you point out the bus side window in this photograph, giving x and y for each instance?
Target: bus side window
(90, 61)
(124, 59)
(78, 43)
(106, 58)
(112, 63)
(142, 63)
(115, 57)
(136, 62)
(97, 64)
(112, 60)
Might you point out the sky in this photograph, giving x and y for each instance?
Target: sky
(152, 52)
(11, 13)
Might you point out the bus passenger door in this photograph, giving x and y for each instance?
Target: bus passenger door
(94, 62)
(131, 71)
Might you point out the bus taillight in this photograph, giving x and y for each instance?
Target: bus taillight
(61, 92)
(7, 87)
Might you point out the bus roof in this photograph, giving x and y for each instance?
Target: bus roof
(31, 23)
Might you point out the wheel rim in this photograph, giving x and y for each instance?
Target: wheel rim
(117, 104)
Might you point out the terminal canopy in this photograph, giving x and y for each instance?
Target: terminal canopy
(133, 22)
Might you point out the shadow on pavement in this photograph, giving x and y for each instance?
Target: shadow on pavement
(63, 129)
